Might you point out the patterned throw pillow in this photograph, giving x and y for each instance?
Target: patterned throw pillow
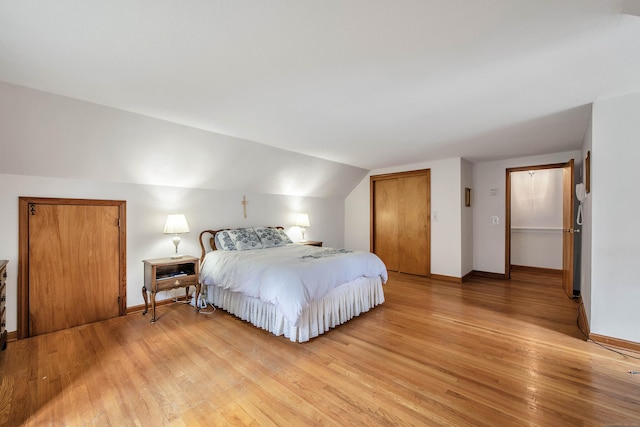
(224, 242)
(245, 239)
(285, 236)
(269, 237)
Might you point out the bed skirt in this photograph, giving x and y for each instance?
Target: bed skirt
(337, 307)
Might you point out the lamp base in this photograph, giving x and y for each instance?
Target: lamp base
(176, 242)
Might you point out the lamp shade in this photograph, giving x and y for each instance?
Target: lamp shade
(176, 224)
(302, 220)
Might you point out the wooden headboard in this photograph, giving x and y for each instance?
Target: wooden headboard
(207, 236)
(207, 240)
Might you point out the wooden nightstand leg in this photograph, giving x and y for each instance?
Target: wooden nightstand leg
(146, 303)
(153, 307)
(198, 286)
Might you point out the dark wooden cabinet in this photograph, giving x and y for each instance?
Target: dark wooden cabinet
(3, 304)
(164, 274)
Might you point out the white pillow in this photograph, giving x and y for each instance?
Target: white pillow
(285, 237)
(223, 241)
(269, 237)
(245, 239)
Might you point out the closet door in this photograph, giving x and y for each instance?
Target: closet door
(385, 243)
(400, 227)
(72, 257)
(413, 219)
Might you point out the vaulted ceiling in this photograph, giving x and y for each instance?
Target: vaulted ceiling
(369, 83)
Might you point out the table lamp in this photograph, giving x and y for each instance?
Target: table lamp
(176, 224)
(302, 221)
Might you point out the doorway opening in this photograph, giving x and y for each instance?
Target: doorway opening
(543, 196)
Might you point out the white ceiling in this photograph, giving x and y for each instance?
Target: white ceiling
(369, 83)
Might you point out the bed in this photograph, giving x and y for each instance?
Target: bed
(289, 289)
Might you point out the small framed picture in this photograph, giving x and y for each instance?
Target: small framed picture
(467, 197)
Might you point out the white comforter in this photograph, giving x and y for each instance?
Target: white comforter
(288, 276)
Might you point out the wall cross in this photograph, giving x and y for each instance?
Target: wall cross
(244, 204)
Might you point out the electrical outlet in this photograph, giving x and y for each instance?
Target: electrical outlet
(495, 220)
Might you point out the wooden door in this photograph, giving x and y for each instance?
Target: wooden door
(413, 236)
(400, 211)
(386, 222)
(73, 267)
(567, 227)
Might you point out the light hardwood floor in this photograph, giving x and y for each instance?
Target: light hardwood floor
(486, 352)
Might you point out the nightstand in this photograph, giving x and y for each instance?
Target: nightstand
(164, 274)
(311, 243)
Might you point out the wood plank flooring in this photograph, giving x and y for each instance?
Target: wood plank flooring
(486, 352)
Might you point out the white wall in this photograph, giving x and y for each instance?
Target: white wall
(489, 239)
(54, 146)
(536, 218)
(615, 229)
(466, 220)
(447, 198)
(357, 217)
(536, 199)
(540, 248)
(586, 251)
(147, 209)
(49, 135)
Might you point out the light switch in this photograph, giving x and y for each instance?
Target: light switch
(434, 215)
